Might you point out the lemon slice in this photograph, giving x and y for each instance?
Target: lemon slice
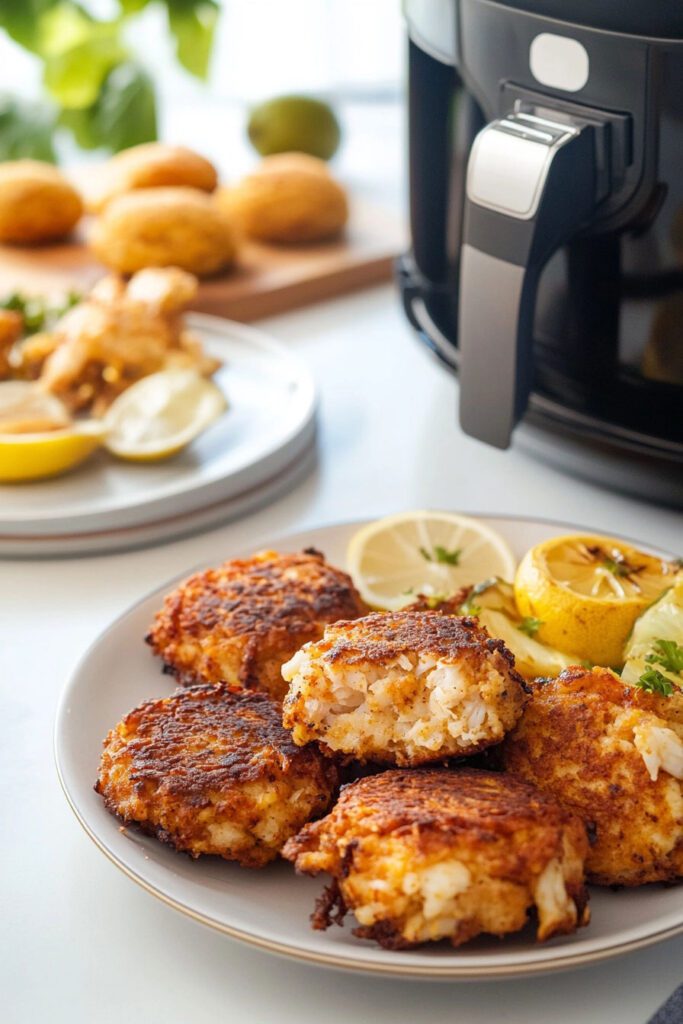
(161, 414)
(493, 602)
(656, 640)
(587, 591)
(433, 553)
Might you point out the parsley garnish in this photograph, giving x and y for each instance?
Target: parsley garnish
(652, 681)
(617, 568)
(668, 654)
(530, 625)
(442, 554)
(469, 607)
(434, 600)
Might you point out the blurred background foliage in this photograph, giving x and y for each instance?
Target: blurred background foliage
(96, 85)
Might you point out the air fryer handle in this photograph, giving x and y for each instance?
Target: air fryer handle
(531, 184)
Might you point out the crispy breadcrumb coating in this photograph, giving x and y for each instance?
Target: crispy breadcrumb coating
(241, 621)
(614, 754)
(435, 854)
(403, 688)
(212, 771)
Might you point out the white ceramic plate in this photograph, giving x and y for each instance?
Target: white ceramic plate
(270, 421)
(270, 908)
(161, 531)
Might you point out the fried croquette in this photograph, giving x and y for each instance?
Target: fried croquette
(403, 688)
(150, 165)
(432, 854)
(212, 771)
(289, 198)
(238, 623)
(37, 203)
(164, 227)
(614, 754)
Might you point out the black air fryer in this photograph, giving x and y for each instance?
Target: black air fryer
(546, 183)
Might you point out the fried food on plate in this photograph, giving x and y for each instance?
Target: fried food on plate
(403, 688)
(289, 198)
(586, 592)
(210, 771)
(164, 227)
(425, 855)
(11, 328)
(150, 165)
(239, 622)
(613, 753)
(37, 203)
(118, 334)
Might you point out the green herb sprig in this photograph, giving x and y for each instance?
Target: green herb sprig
(530, 625)
(652, 681)
(442, 555)
(668, 654)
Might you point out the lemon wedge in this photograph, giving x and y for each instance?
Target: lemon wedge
(37, 438)
(434, 553)
(493, 602)
(34, 456)
(656, 641)
(587, 591)
(161, 414)
(25, 409)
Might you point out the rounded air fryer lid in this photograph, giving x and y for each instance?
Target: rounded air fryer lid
(655, 19)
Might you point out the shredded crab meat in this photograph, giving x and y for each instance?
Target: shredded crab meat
(660, 748)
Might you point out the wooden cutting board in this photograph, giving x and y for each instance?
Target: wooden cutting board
(268, 279)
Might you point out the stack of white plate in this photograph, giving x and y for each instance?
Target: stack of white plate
(260, 448)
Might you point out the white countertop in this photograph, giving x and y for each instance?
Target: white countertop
(79, 942)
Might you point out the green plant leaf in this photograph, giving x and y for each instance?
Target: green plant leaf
(193, 23)
(75, 76)
(26, 129)
(133, 6)
(126, 110)
(21, 19)
(123, 115)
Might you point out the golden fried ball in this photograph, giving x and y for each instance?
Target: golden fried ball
(424, 855)
(240, 621)
(211, 771)
(37, 203)
(150, 165)
(403, 688)
(164, 227)
(615, 755)
(290, 197)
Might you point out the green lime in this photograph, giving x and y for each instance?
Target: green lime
(294, 124)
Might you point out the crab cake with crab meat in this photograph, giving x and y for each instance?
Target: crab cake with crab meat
(210, 770)
(404, 688)
(434, 854)
(613, 753)
(239, 623)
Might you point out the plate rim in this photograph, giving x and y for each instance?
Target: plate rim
(42, 524)
(452, 972)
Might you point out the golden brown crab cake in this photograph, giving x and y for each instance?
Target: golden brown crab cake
(432, 854)
(403, 688)
(211, 770)
(615, 755)
(238, 623)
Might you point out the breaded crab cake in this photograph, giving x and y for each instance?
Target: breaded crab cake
(210, 770)
(434, 854)
(614, 754)
(403, 688)
(238, 623)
